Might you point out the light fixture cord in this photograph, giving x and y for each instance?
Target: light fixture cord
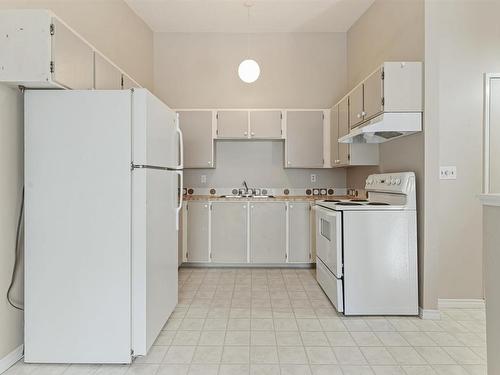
(248, 31)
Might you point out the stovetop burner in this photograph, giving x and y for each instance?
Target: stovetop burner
(358, 200)
(331, 200)
(349, 204)
(378, 204)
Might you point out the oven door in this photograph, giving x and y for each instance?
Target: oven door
(329, 239)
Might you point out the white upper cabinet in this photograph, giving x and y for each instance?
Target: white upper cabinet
(72, 62)
(393, 87)
(356, 110)
(106, 75)
(373, 95)
(41, 51)
(266, 124)
(304, 139)
(343, 112)
(343, 154)
(198, 141)
(232, 124)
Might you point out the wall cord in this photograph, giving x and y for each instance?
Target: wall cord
(17, 252)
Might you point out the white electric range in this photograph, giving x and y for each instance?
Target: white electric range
(367, 249)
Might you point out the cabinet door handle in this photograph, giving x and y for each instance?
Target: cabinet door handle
(244, 206)
(206, 206)
(363, 113)
(245, 133)
(359, 115)
(291, 206)
(253, 134)
(252, 206)
(289, 162)
(209, 163)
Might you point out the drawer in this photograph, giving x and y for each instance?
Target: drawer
(330, 284)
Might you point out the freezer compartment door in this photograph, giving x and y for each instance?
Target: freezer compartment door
(154, 253)
(157, 140)
(330, 284)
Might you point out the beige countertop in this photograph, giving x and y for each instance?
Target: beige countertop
(212, 198)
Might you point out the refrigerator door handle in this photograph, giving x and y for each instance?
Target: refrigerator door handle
(179, 206)
(181, 144)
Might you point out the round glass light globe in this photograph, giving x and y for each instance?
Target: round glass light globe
(249, 71)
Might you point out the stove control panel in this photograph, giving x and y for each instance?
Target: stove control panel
(390, 182)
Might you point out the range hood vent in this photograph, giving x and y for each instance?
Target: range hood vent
(385, 127)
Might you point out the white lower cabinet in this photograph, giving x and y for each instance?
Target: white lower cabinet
(240, 232)
(268, 232)
(299, 232)
(198, 225)
(229, 232)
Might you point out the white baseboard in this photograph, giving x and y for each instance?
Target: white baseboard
(429, 314)
(444, 303)
(11, 358)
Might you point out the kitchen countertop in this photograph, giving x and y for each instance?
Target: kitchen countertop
(212, 198)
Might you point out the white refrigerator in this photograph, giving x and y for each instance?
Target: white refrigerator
(103, 182)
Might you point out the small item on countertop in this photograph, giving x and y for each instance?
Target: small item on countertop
(286, 191)
(234, 191)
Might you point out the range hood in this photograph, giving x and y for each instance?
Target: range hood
(385, 127)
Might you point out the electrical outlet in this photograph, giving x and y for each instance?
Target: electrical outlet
(448, 173)
(313, 178)
(203, 179)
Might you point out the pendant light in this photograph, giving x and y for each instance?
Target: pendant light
(249, 69)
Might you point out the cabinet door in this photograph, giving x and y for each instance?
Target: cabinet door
(304, 139)
(334, 136)
(106, 76)
(356, 106)
(73, 59)
(196, 128)
(198, 214)
(373, 94)
(299, 232)
(268, 232)
(343, 130)
(232, 124)
(265, 124)
(229, 232)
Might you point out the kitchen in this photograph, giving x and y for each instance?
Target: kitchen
(306, 68)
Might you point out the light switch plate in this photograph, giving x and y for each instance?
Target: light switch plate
(203, 179)
(448, 173)
(313, 178)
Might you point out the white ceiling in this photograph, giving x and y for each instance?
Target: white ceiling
(266, 15)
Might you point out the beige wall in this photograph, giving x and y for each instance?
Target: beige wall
(111, 26)
(114, 29)
(465, 38)
(491, 236)
(390, 30)
(298, 70)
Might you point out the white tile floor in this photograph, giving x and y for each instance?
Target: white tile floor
(278, 321)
